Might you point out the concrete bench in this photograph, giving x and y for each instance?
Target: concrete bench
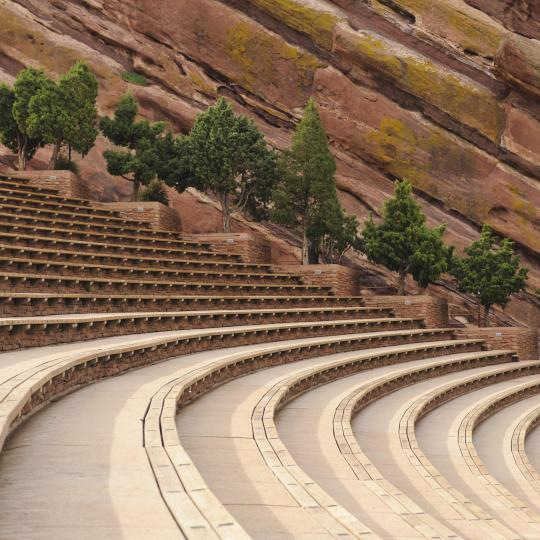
(63, 220)
(96, 257)
(54, 210)
(24, 332)
(34, 303)
(414, 410)
(381, 487)
(12, 224)
(21, 282)
(462, 450)
(515, 453)
(30, 237)
(47, 267)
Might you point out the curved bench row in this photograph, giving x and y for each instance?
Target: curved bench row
(403, 429)
(363, 468)
(34, 303)
(29, 390)
(465, 456)
(39, 331)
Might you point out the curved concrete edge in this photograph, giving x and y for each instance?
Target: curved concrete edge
(304, 490)
(465, 457)
(403, 428)
(24, 394)
(178, 473)
(364, 469)
(515, 453)
(41, 331)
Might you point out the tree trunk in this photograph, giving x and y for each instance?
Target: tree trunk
(401, 282)
(485, 321)
(54, 156)
(305, 244)
(313, 253)
(21, 152)
(225, 214)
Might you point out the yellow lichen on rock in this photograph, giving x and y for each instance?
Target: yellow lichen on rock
(458, 96)
(313, 19)
(456, 22)
(259, 55)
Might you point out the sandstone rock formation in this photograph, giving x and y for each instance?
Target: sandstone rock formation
(441, 92)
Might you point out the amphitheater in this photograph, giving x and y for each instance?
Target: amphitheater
(160, 387)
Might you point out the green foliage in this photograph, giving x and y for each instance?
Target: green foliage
(15, 112)
(63, 112)
(403, 243)
(306, 196)
(151, 152)
(229, 158)
(490, 271)
(154, 191)
(65, 164)
(135, 78)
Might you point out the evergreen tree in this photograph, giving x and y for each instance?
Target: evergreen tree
(334, 232)
(306, 196)
(63, 112)
(491, 272)
(151, 151)
(403, 243)
(229, 158)
(15, 112)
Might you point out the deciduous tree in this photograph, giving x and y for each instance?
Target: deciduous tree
(15, 112)
(230, 158)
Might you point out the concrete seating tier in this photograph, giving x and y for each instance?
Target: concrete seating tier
(81, 226)
(28, 304)
(277, 455)
(47, 267)
(96, 257)
(40, 331)
(38, 239)
(24, 187)
(424, 473)
(58, 373)
(54, 282)
(462, 450)
(515, 453)
(11, 198)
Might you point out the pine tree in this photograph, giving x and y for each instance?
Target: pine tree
(230, 159)
(491, 272)
(306, 196)
(403, 243)
(151, 151)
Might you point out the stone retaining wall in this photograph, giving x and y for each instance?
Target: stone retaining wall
(250, 247)
(66, 183)
(344, 280)
(524, 341)
(157, 215)
(433, 310)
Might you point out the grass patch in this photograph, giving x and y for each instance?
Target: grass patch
(135, 78)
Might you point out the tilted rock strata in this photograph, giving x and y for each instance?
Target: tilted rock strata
(466, 132)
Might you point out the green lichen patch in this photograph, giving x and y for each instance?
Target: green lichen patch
(317, 23)
(463, 99)
(266, 59)
(452, 21)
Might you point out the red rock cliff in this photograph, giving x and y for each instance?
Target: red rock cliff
(441, 92)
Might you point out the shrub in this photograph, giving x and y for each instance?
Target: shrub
(154, 191)
(135, 78)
